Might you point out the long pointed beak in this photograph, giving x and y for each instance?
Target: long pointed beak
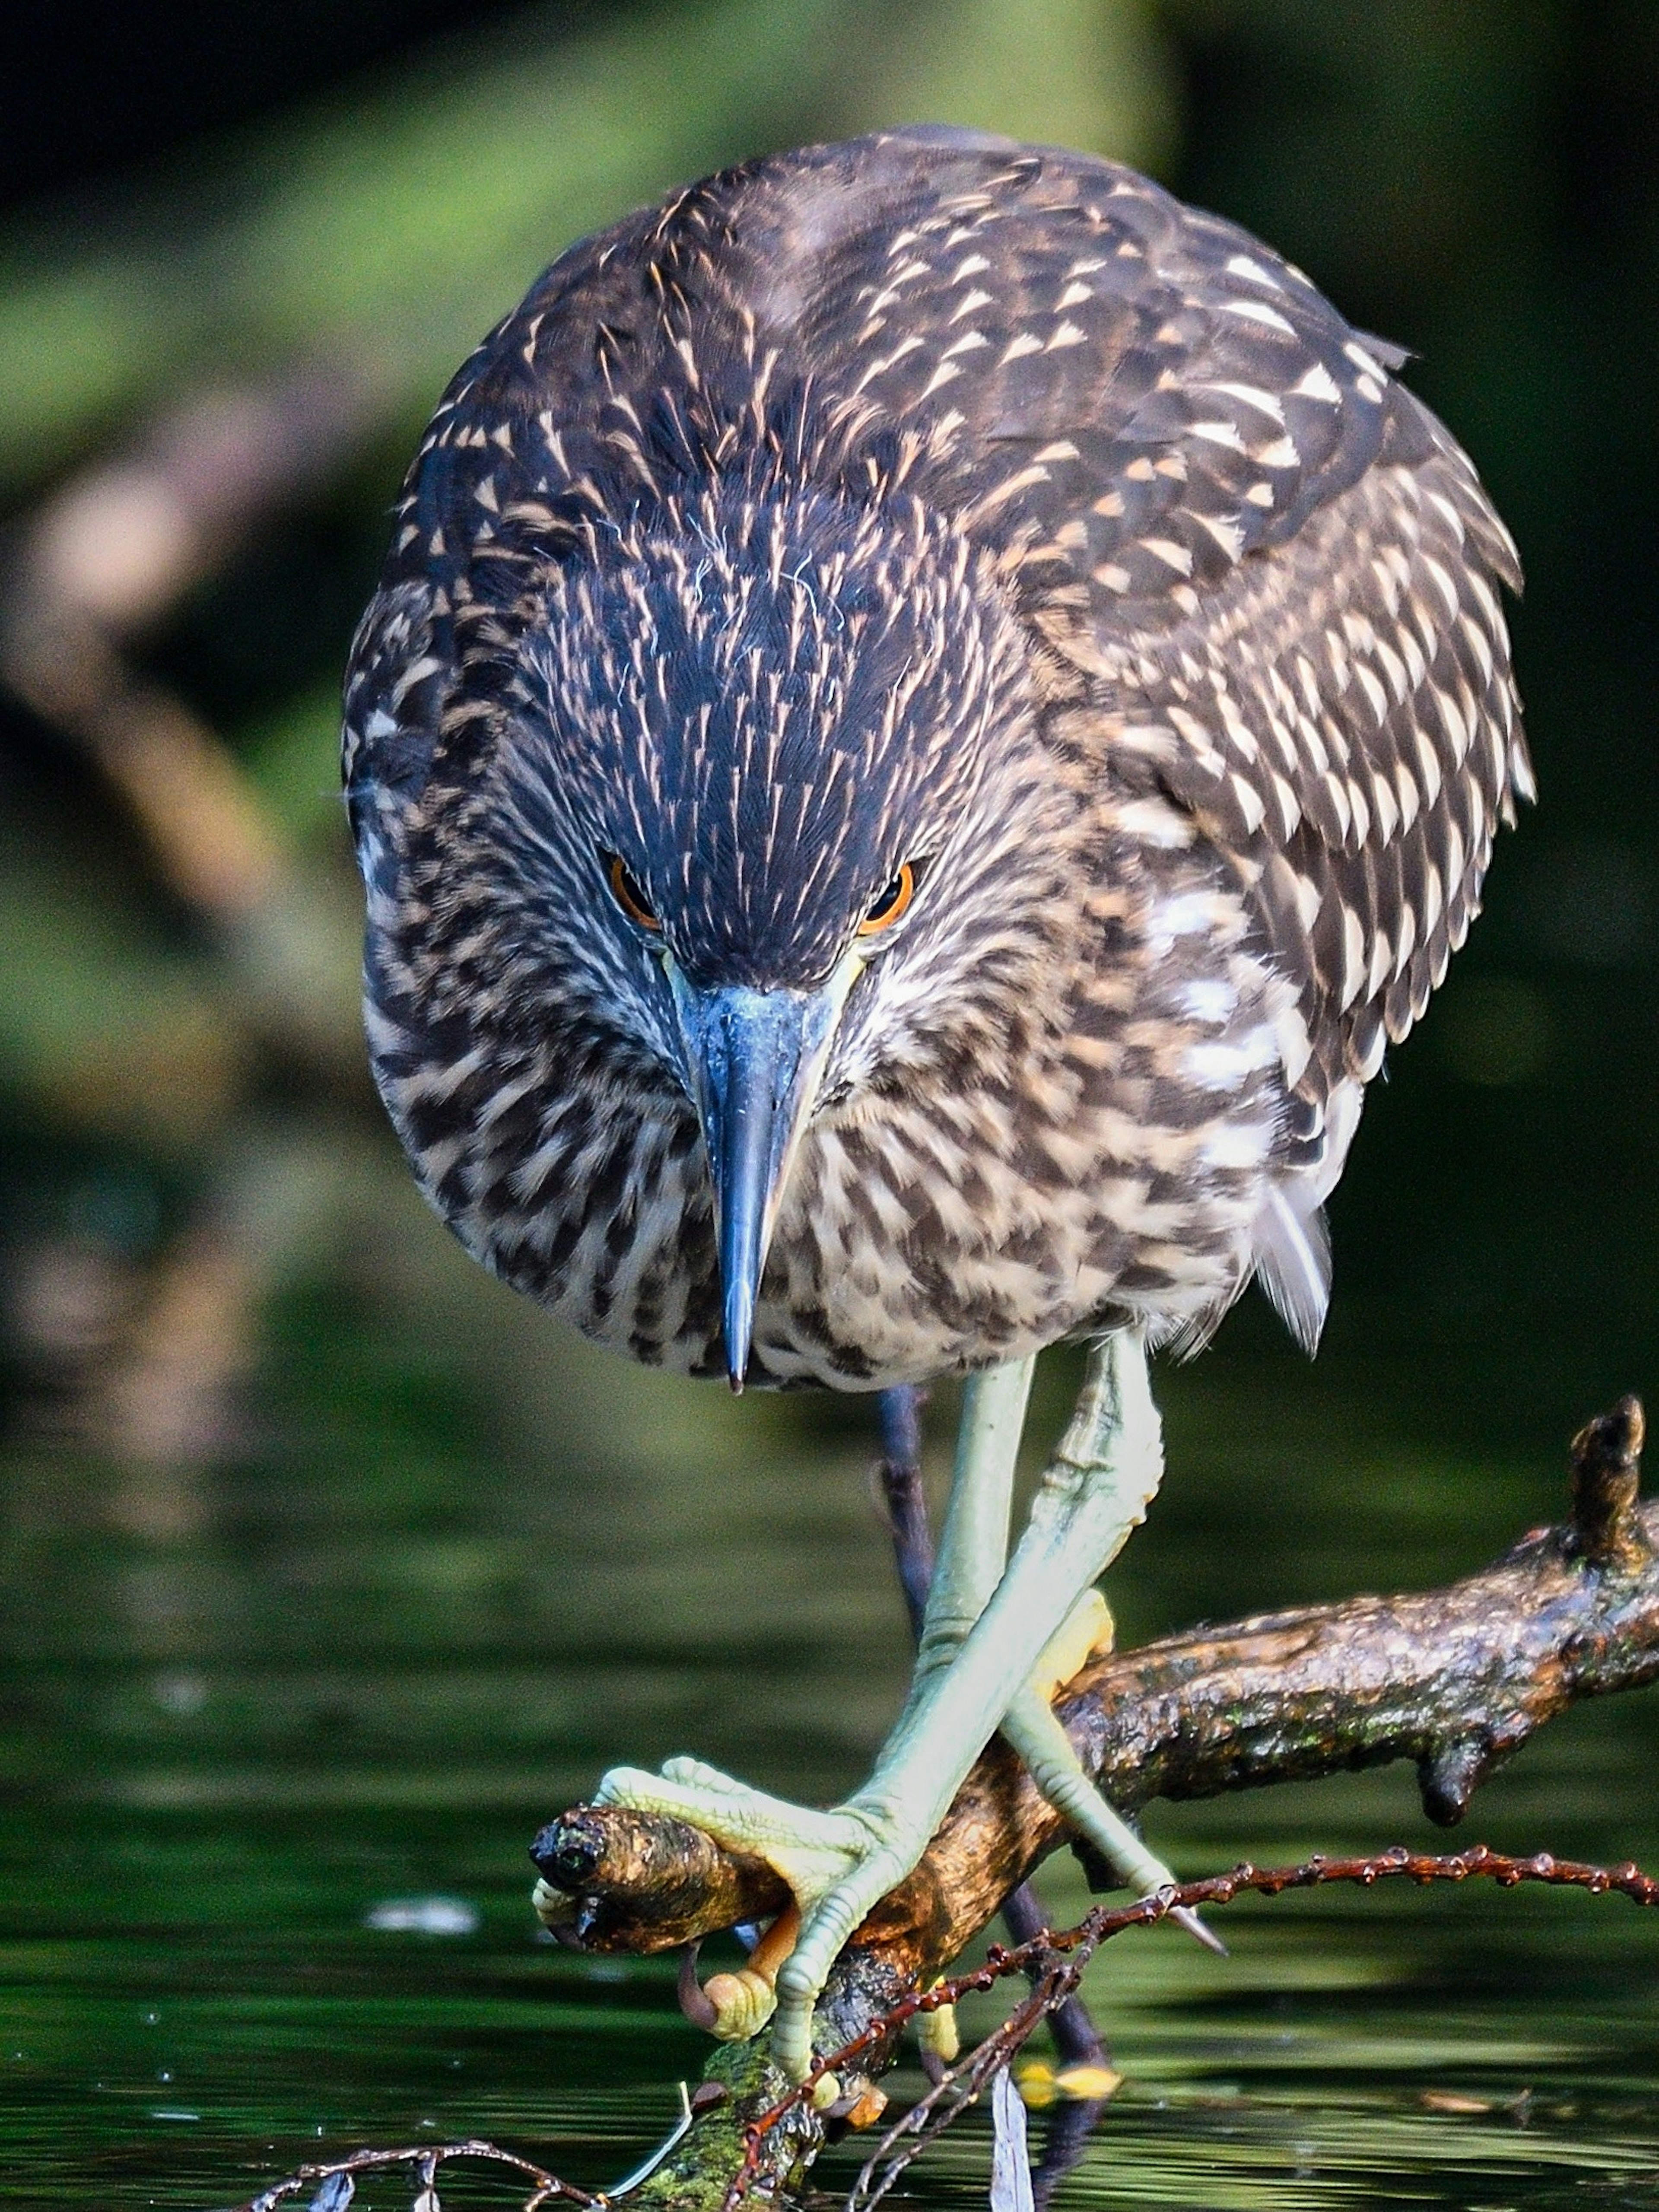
(755, 1060)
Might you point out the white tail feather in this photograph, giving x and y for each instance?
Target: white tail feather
(1292, 1254)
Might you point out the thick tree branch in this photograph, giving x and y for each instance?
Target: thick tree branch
(1455, 1678)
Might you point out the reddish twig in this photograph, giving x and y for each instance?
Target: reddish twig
(1057, 1962)
(1054, 1960)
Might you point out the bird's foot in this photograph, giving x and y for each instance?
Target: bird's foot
(813, 1850)
(985, 1664)
(837, 1864)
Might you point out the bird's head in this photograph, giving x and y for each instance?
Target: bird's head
(762, 803)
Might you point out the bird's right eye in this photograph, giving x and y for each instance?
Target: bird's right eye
(625, 889)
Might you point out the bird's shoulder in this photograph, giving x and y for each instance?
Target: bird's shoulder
(1089, 375)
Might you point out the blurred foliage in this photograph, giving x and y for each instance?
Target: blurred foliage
(394, 222)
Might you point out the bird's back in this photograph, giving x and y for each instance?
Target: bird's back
(1256, 581)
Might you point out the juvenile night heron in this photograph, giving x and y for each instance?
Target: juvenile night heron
(931, 713)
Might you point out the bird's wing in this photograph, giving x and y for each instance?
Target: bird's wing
(1264, 575)
(1261, 573)
(1263, 565)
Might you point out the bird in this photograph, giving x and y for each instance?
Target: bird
(932, 713)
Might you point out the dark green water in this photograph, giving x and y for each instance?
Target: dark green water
(361, 1658)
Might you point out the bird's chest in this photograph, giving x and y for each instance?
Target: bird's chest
(917, 1246)
(1107, 1166)
(970, 1210)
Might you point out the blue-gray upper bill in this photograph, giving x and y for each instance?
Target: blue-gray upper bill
(754, 1062)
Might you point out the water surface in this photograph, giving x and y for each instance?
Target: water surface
(357, 1659)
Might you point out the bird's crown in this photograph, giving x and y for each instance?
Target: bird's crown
(753, 715)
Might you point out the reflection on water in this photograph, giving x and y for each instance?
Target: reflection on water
(273, 1681)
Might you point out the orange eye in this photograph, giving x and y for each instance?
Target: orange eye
(625, 889)
(893, 901)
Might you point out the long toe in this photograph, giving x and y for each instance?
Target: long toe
(826, 1929)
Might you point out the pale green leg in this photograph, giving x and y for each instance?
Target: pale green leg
(812, 1850)
(1093, 1493)
(973, 1545)
(973, 1551)
(1061, 1778)
(840, 1864)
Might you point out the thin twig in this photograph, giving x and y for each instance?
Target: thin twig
(1060, 1960)
(961, 2086)
(427, 2158)
(1054, 1962)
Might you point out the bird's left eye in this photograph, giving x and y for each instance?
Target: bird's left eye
(625, 889)
(893, 903)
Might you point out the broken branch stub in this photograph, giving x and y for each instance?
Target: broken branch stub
(1606, 1523)
(615, 1879)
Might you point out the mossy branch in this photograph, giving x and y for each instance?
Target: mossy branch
(752, 2138)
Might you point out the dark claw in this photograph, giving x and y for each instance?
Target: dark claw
(693, 2001)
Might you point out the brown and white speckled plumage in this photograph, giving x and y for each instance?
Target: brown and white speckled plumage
(924, 497)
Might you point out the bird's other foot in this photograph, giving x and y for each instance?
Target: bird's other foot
(1087, 1630)
(837, 1864)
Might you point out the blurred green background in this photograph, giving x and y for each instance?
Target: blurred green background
(326, 1569)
